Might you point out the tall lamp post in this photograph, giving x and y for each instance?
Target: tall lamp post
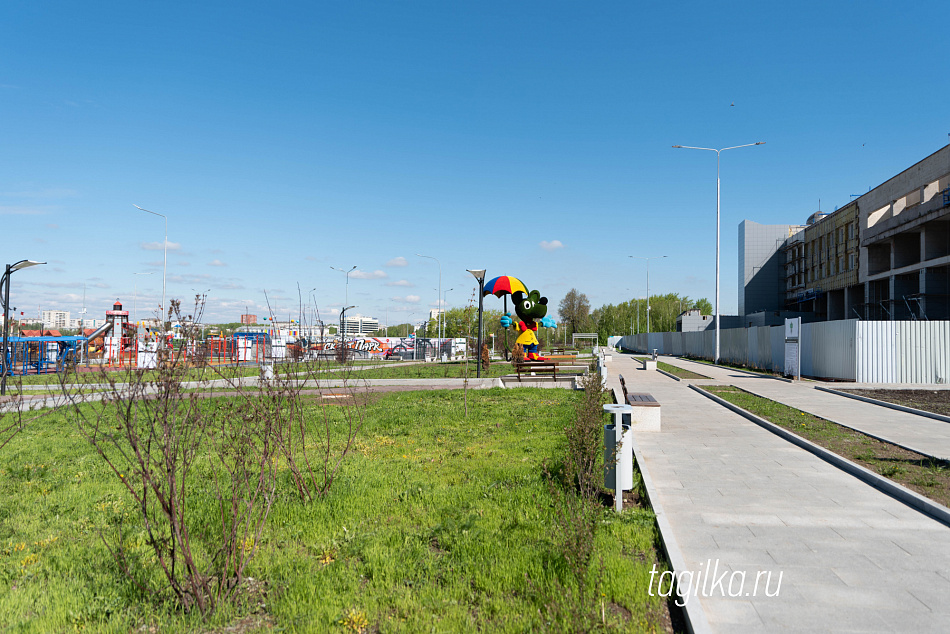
(652, 257)
(135, 292)
(347, 291)
(165, 262)
(343, 328)
(442, 316)
(440, 276)
(709, 149)
(5, 288)
(479, 274)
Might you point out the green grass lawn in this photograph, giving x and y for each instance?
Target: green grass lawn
(438, 522)
(675, 370)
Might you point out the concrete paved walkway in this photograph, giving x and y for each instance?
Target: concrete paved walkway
(925, 435)
(850, 557)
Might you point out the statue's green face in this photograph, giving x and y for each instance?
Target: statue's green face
(530, 307)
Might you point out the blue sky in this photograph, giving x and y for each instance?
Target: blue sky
(532, 139)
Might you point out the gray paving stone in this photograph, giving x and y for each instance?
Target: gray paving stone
(847, 552)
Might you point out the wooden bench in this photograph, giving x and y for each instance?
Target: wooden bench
(535, 367)
(646, 409)
(563, 358)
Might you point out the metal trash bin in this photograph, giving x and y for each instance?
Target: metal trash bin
(622, 462)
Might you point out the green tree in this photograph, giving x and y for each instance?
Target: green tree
(704, 306)
(574, 309)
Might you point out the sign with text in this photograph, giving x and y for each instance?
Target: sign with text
(793, 327)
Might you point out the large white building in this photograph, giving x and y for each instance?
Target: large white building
(56, 319)
(360, 325)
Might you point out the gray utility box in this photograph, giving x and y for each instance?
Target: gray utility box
(618, 462)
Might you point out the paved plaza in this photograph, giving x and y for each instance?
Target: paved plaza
(851, 557)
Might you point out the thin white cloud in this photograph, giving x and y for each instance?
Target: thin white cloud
(408, 299)
(553, 245)
(52, 192)
(19, 210)
(400, 261)
(405, 283)
(157, 246)
(216, 263)
(369, 275)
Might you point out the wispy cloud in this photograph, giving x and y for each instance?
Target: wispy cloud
(157, 246)
(400, 261)
(408, 299)
(20, 210)
(369, 275)
(216, 263)
(50, 192)
(553, 245)
(405, 283)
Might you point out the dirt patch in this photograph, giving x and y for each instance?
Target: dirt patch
(936, 401)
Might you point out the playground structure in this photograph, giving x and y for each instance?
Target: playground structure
(121, 344)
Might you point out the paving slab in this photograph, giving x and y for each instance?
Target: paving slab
(736, 495)
(920, 433)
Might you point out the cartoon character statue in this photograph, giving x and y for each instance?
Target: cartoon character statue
(531, 309)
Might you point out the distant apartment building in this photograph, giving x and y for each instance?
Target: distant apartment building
(248, 319)
(55, 319)
(883, 256)
(360, 325)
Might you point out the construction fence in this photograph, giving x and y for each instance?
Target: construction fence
(846, 350)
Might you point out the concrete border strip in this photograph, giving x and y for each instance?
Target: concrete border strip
(874, 401)
(672, 376)
(693, 610)
(902, 494)
(866, 433)
(761, 375)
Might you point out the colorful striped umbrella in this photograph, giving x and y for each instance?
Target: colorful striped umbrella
(504, 285)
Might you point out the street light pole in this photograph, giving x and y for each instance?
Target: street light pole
(135, 288)
(479, 274)
(652, 257)
(165, 262)
(5, 285)
(709, 149)
(440, 276)
(347, 273)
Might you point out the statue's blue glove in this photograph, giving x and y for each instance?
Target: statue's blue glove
(548, 322)
(506, 321)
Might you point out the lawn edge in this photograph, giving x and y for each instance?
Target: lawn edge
(693, 613)
(899, 492)
(874, 401)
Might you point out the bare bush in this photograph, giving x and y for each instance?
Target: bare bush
(202, 476)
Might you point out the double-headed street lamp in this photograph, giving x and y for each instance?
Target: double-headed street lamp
(165, 263)
(440, 276)
(347, 273)
(709, 149)
(479, 274)
(652, 257)
(5, 293)
(135, 292)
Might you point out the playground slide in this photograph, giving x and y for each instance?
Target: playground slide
(101, 331)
